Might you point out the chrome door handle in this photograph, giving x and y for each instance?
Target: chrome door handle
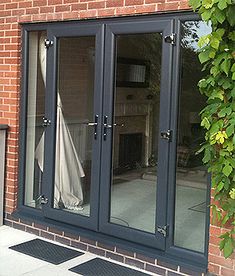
(95, 125)
(92, 124)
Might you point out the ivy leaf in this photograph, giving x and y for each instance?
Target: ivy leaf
(219, 15)
(204, 56)
(215, 42)
(194, 4)
(225, 66)
(220, 186)
(230, 130)
(228, 247)
(222, 243)
(206, 14)
(232, 162)
(225, 111)
(222, 4)
(232, 36)
(203, 40)
(207, 156)
(233, 76)
(230, 14)
(227, 170)
(217, 94)
(233, 92)
(233, 68)
(225, 219)
(205, 123)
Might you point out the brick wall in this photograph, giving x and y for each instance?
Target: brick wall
(109, 251)
(13, 12)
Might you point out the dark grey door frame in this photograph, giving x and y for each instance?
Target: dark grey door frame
(165, 27)
(171, 251)
(53, 35)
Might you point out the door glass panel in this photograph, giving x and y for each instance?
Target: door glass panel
(191, 174)
(135, 131)
(35, 112)
(75, 94)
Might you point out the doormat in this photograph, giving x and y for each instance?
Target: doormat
(100, 267)
(201, 207)
(46, 251)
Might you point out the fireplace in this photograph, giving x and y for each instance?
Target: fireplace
(130, 150)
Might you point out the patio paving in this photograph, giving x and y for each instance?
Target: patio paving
(13, 263)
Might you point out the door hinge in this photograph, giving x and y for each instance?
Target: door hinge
(42, 199)
(171, 38)
(48, 43)
(166, 135)
(163, 230)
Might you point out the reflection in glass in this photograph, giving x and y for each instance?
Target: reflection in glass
(73, 137)
(135, 131)
(191, 175)
(35, 113)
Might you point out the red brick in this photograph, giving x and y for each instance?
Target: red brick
(125, 10)
(96, 5)
(184, 5)
(167, 6)
(5, 13)
(55, 2)
(62, 8)
(26, 4)
(146, 9)
(214, 250)
(11, 6)
(214, 240)
(114, 3)
(228, 263)
(213, 268)
(47, 9)
(215, 231)
(32, 10)
(133, 2)
(39, 3)
(87, 14)
(39, 17)
(154, 1)
(55, 16)
(70, 1)
(106, 12)
(79, 6)
(227, 272)
(70, 15)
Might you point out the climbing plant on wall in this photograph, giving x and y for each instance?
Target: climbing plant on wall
(217, 55)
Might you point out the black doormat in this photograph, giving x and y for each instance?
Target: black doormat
(100, 267)
(46, 251)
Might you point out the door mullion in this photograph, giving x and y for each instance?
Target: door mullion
(164, 126)
(50, 114)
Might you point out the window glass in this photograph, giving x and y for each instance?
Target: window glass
(135, 131)
(191, 174)
(35, 113)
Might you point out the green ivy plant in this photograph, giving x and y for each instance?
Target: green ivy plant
(217, 54)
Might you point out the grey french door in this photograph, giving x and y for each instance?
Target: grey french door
(136, 112)
(73, 108)
(108, 100)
